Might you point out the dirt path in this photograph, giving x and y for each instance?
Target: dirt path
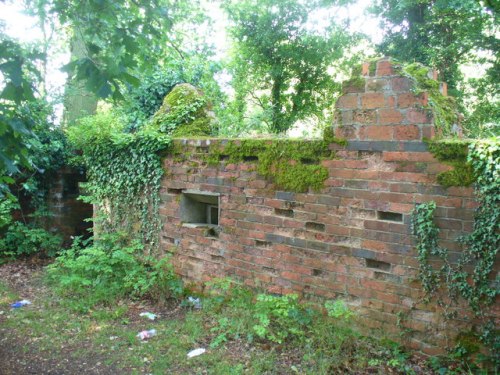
(20, 355)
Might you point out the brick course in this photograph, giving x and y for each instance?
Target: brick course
(335, 242)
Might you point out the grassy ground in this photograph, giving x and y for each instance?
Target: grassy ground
(50, 337)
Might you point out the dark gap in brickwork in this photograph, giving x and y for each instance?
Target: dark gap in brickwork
(390, 216)
(317, 272)
(217, 258)
(169, 239)
(377, 264)
(250, 158)
(269, 269)
(283, 212)
(309, 161)
(212, 232)
(315, 226)
(259, 243)
(174, 191)
(202, 150)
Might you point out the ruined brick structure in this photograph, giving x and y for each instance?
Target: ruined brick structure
(351, 239)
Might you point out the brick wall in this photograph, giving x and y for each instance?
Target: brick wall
(352, 238)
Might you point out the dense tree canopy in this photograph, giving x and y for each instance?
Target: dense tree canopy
(281, 64)
(445, 34)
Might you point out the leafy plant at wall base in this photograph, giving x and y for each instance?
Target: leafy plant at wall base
(280, 317)
(23, 240)
(112, 267)
(470, 278)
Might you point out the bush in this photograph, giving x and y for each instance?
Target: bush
(23, 240)
(280, 317)
(110, 268)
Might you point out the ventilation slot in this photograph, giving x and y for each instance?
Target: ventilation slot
(317, 272)
(250, 158)
(318, 227)
(390, 216)
(174, 191)
(283, 212)
(378, 265)
(259, 243)
(308, 161)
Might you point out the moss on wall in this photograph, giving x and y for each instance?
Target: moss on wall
(444, 108)
(184, 112)
(292, 164)
(453, 152)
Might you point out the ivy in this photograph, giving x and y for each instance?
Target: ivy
(470, 278)
(124, 172)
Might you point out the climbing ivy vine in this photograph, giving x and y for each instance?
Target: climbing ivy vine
(471, 277)
(124, 171)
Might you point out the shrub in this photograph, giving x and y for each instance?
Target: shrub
(111, 268)
(280, 317)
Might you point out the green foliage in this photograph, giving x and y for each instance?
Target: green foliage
(470, 278)
(143, 101)
(184, 113)
(294, 165)
(279, 64)
(22, 240)
(124, 172)
(338, 309)
(120, 37)
(19, 73)
(112, 267)
(280, 317)
(453, 152)
(445, 35)
(6, 207)
(444, 108)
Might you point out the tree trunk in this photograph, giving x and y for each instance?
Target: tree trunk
(78, 101)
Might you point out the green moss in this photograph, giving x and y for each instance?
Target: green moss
(444, 108)
(184, 113)
(453, 152)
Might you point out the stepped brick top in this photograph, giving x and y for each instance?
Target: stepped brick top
(379, 112)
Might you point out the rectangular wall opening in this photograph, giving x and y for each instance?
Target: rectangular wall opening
(390, 216)
(199, 208)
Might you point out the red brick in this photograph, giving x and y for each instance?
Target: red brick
(407, 132)
(376, 132)
(384, 68)
(346, 131)
(389, 116)
(428, 131)
(372, 100)
(347, 102)
(418, 116)
(408, 156)
(401, 84)
(364, 116)
(365, 69)
(291, 276)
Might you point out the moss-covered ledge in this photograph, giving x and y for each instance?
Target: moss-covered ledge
(453, 152)
(292, 164)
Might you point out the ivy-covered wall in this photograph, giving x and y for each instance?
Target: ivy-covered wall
(327, 218)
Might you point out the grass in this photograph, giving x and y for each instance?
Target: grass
(224, 326)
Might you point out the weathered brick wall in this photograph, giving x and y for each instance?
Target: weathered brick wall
(342, 241)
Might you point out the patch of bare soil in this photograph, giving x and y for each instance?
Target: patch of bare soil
(18, 355)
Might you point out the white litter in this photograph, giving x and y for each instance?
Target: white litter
(148, 315)
(196, 352)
